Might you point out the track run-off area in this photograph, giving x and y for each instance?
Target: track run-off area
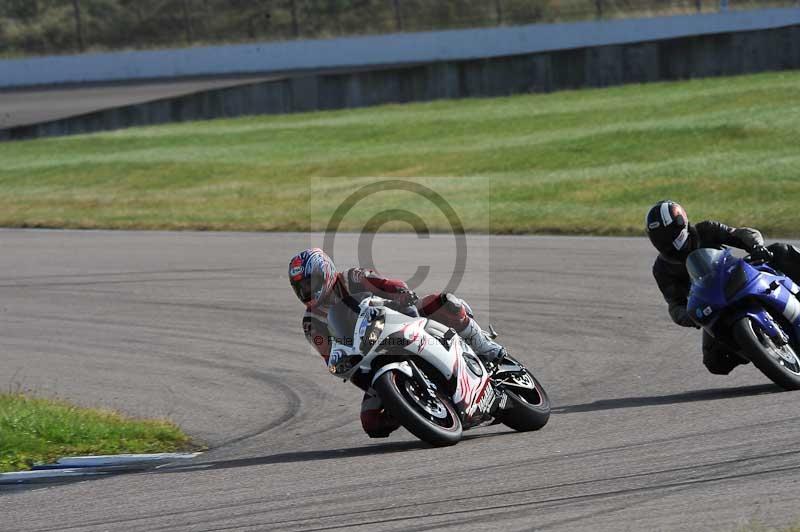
(203, 328)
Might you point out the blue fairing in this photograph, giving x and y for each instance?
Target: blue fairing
(726, 289)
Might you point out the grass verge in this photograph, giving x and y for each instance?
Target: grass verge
(34, 430)
(758, 527)
(587, 161)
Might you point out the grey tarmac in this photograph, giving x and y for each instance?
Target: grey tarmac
(203, 328)
(42, 104)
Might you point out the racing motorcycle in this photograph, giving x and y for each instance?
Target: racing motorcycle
(749, 307)
(427, 377)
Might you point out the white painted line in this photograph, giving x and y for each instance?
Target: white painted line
(21, 477)
(123, 459)
(84, 466)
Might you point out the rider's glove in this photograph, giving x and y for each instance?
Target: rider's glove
(760, 253)
(406, 297)
(686, 321)
(681, 316)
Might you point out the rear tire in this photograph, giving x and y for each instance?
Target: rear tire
(765, 355)
(529, 409)
(435, 422)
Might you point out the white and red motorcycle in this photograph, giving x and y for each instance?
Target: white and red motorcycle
(428, 378)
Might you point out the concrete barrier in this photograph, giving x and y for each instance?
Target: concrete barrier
(379, 50)
(601, 66)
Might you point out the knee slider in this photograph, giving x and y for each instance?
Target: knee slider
(717, 368)
(451, 303)
(456, 305)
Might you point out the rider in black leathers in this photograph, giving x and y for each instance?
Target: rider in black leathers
(669, 230)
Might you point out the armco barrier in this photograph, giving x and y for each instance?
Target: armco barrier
(599, 66)
(378, 50)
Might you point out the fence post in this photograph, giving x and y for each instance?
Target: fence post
(295, 21)
(187, 21)
(76, 9)
(498, 8)
(398, 15)
(598, 5)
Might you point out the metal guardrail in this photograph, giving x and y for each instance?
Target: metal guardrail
(716, 52)
(380, 50)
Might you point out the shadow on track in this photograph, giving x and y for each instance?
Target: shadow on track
(310, 456)
(280, 458)
(685, 397)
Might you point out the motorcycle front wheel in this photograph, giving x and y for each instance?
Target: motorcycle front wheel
(427, 414)
(528, 406)
(778, 362)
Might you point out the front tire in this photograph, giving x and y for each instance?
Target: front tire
(780, 363)
(529, 407)
(431, 419)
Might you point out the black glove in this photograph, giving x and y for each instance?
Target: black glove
(680, 316)
(686, 321)
(406, 297)
(760, 254)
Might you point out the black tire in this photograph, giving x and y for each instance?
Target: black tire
(395, 389)
(527, 409)
(764, 355)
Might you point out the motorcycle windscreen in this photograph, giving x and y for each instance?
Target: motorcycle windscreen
(342, 317)
(704, 263)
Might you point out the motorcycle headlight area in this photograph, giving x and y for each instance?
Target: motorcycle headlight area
(736, 282)
(346, 364)
(372, 333)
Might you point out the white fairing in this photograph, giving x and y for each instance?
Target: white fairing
(457, 362)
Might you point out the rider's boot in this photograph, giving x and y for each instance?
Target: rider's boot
(489, 351)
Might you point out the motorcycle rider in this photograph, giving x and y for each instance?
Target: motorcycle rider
(318, 285)
(674, 237)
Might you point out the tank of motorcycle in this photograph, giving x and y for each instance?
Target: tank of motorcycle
(398, 330)
(415, 340)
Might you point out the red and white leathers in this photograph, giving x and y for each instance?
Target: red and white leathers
(444, 308)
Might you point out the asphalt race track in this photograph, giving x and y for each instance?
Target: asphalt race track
(203, 328)
(29, 106)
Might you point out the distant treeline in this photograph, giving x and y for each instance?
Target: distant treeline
(66, 26)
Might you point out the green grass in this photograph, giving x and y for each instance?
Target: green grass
(34, 430)
(588, 161)
(755, 526)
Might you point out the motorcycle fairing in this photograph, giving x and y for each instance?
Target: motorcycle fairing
(456, 362)
(472, 394)
(764, 289)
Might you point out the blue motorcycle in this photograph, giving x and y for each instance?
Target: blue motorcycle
(750, 308)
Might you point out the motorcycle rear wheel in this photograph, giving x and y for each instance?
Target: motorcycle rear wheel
(431, 418)
(780, 363)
